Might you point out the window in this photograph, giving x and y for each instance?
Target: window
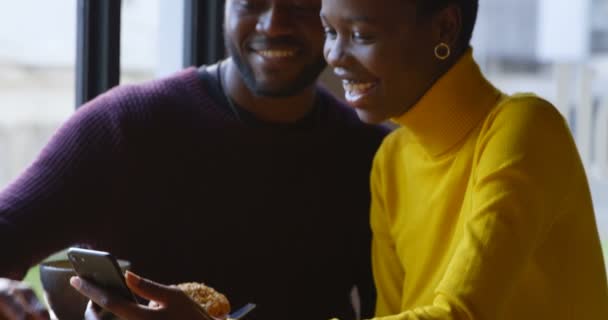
(139, 43)
(36, 77)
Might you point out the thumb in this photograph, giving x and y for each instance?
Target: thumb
(149, 289)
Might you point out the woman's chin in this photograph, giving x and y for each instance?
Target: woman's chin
(369, 117)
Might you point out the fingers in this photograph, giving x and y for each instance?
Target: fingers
(149, 289)
(92, 312)
(38, 315)
(34, 306)
(95, 312)
(164, 295)
(18, 301)
(121, 307)
(9, 308)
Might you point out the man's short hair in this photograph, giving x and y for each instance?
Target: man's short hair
(469, 15)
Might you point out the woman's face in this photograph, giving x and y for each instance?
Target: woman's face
(383, 53)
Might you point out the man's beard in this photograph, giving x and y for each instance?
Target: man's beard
(304, 79)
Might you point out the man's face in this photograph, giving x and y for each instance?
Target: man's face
(277, 45)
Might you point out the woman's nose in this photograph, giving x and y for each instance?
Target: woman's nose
(335, 52)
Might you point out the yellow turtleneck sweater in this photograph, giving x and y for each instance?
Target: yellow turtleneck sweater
(481, 210)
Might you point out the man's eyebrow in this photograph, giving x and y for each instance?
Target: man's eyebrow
(354, 19)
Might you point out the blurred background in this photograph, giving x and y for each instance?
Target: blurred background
(555, 48)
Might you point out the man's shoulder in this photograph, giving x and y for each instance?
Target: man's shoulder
(178, 93)
(182, 88)
(335, 108)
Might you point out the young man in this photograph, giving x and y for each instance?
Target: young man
(243, 175)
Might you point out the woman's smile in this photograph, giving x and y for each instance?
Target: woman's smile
(355, 91)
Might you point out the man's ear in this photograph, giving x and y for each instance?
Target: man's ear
(448, 25)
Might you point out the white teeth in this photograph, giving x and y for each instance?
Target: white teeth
(277, 53)
(356, 88)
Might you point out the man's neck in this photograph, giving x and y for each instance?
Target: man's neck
(270, 109)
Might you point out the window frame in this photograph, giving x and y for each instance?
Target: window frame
(203, 40)
(97, 48)
(98, 42)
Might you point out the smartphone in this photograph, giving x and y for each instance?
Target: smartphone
(102, 269)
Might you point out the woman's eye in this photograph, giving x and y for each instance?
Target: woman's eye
(329, 33)
(361, 37)
(250, 4)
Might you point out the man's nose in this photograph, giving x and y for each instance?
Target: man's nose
(276, 21)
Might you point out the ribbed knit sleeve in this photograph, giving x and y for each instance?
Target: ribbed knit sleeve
(78, 187)
(69, 181)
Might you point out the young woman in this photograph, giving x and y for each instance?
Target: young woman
(481, 208)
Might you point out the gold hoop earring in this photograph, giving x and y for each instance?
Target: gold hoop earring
(442, 51)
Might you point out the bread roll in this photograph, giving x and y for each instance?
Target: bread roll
(215, 303)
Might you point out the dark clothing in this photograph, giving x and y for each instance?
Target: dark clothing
(216, 93)
(162, 174)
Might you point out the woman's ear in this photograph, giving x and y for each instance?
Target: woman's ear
(448, 25)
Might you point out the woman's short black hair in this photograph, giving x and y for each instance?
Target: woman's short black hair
(469, 15)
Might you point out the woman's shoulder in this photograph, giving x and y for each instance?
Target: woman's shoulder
(525, 107)
(525, 124)
(525, 113)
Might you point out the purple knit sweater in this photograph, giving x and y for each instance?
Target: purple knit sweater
(163, 175)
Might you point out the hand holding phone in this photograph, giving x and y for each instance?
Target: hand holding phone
(102, 269)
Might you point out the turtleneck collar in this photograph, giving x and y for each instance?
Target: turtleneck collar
(451, 108)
